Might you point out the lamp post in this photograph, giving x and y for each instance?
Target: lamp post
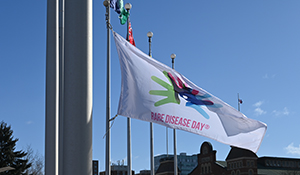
(128, 7)
(150, 34)
(173, 56)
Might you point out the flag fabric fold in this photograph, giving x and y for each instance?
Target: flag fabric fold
(153, 92)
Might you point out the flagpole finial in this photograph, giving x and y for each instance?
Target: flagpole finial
(128, 6)
(173, 56)
(149, 34)
(106, 3)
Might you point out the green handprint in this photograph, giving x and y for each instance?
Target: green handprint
(172, 96)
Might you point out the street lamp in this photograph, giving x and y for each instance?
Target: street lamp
(173, 56)
(150, 34)
(128, 6)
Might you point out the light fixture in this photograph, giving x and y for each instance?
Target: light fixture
(173, 55)
(128, 6)
(149, 34)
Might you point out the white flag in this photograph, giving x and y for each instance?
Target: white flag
(153, 92)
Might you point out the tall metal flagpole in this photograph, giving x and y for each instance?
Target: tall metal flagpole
(238, 101)
(52, 89)
(128, 7)
(173, 56)
(150, 34)
(106, 3)
(61, 80)
(167, 142)
(78, 88)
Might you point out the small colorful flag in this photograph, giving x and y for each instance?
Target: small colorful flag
(118, 6)
(240, 101)
(130, 38)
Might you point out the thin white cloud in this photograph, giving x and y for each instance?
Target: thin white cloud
(285, 111)
(258, 104)
(266, 76)
(291, 149)
(258, 110)
(29, 122)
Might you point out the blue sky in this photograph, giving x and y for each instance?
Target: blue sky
(225, 47)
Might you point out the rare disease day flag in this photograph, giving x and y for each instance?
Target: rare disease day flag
(153, 92)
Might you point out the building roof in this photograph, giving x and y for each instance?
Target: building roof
(166, 166)
(236, 152)
(221, 163)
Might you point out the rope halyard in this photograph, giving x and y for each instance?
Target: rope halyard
(108, 25)
(112, 119)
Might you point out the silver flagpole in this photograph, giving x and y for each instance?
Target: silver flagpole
(106, 3)
(52, 89)
(173, 56)
(150, 34)
(128, 7)
(61, 81)
(78, 88)
(167, 142)
(238, 101)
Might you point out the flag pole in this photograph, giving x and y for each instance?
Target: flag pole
(78, 88)
(61, 81)
(52, 89)
(106, 3)
(150, 34)
(128, 7)
(173, 56)
(238, 101)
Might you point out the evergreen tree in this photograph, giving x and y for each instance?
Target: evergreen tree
(8, 155)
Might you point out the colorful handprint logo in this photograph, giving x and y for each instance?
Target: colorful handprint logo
(178, 87)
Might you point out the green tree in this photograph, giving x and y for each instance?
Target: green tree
(8, 155)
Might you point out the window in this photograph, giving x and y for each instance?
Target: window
(232, 173)
(250, 172)
(278, 163)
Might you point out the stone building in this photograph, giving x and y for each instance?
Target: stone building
(243, 162)
(207, 163)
